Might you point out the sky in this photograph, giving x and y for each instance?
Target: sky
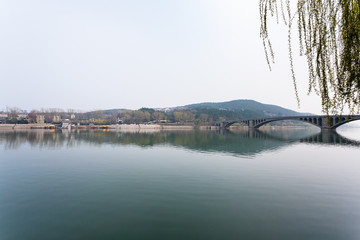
(88, 55)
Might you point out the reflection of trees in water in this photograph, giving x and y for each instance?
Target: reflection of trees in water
(13, 140)
(235, 142)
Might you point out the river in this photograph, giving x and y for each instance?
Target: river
(266, 184)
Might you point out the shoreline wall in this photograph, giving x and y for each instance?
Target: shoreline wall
(137, 127)
(22, 126)
(119, 127)
(132, 127)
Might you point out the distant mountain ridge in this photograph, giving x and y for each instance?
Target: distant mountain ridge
(206, 112)
(245, 108)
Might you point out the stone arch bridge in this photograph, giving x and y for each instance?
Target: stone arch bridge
(324, 122)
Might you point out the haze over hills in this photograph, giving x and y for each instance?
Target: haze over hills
(239, 105)
(230, 110)
(201, 113)
(246, 108)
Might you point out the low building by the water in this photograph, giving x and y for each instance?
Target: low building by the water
(3, 117)
(56, 119)
(40, 119)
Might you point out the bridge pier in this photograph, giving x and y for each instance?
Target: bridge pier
(251, 124)
(326, 123)
(328, 129)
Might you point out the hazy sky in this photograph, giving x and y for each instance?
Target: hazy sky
(87, 55)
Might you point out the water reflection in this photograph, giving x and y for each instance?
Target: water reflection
(244, 143)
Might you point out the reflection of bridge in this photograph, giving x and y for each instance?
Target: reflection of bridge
(330, 122)
(326, 137)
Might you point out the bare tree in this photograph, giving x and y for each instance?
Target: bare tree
(13, 112)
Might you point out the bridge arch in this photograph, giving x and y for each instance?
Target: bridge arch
(312, 121)
(323, 122)
(343, 121)
(228, 124)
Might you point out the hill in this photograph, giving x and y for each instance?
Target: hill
(242, 109)
(200, 113)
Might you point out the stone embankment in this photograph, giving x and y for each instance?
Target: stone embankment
(24, 126)
(144, 127)
(116, 127)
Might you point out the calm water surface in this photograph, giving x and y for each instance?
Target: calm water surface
(267, 184)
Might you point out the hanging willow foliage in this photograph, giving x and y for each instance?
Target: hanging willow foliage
(329, 36)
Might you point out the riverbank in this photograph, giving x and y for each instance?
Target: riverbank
(25, 126)
(135, 127)
(131, 127)
(120, 127)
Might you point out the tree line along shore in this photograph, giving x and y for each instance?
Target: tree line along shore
(194, 115)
